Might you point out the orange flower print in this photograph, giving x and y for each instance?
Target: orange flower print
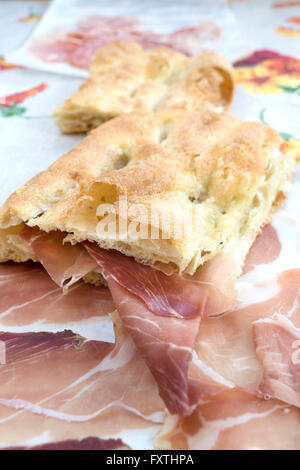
(31, 17)
(4, 65)
(294, 19)
(287, 31)
(268, 72)
(290, 143)
(9, 104)
(286, 4)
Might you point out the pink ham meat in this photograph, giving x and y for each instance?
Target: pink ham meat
(180, 301)
(265, 249)
(225, 345)
(162, 314)
(233, 420)
(55, 51)
(169, 296)
(31, 300)
(56, 386)
(89, 443)
(63, 262)
(217, 277)
(165, 343)
(23, 347)
(277, 342)
(77, 47)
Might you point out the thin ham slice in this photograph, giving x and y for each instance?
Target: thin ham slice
(265, 249)
(165, 343)
(30, 301)
(225, 345)
(277, 342)
(233, 420)
(162, 314)
(58, 51)
(172, 297)
(217, 277)
(89, 443)
(63, 262)
(76, 47)
(57, 386)
(169, 296)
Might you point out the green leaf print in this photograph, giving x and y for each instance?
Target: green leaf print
(12, 110)
(290, 89)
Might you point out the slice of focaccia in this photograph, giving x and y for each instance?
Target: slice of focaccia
(172, 189)
(126, 78)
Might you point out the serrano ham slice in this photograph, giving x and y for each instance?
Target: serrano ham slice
(63, 262)
(265, 249)
(162, 314)
(164, 295)
(89, 443)
(233, 420)
(32, 302)
(78, 46)
(217, 277)
(277, 343)
(165, 343)
(58, 386)
(226, 345)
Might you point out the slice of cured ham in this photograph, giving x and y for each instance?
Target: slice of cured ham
(218, 279)
(164, 295)
(162, 314)
(160, 295)
(277, 343)
(225, 345)
(31, 302)
(78, 46)
(89, 443)
(233, 420)
(166, 344)
(63, 262)
(265, 249)
(58, 386)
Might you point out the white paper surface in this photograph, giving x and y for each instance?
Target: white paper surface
(29, 142)
(159, 16)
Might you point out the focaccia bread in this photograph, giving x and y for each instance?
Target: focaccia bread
(125, 78)
(223, 176)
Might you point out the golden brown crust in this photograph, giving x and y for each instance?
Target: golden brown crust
(125, 78)
(214, 168)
